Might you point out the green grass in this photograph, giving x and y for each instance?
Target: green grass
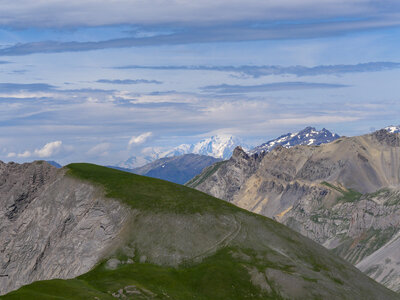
(348, 195)
(57, 289)
(219, 276)
(145, 193)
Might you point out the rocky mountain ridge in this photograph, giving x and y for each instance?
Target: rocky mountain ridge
(344, 194)
(307, 136)
(146, 238)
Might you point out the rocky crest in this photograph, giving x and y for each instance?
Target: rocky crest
(51, 226)
(307, 136)
(344, 194)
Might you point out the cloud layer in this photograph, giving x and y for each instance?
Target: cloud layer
(259, 71)
(175, 22)
(269, 87)
(128, 81)
(46, 151)
(102, 12)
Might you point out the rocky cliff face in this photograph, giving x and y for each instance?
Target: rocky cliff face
(51, 226)
(343, 195)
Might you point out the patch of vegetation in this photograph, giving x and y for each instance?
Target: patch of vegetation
(348, 195)
(199, 179)
(145, 193)
(316, 263)
(309, 279)
(57, 289)
(219, 276)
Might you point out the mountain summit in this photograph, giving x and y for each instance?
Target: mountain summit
(307, 136)
(218, 146)
(393, 129)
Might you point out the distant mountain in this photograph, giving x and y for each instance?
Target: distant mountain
(136, 161)
(178, 169)
(218, 146)
(307, 136)
(393, 129)
(54, 163)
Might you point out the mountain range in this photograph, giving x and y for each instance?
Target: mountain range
(393, 129)
(307, 136)
(218, 146)
(307, 222)
(180, 168)
(91, 232)
(344, 195)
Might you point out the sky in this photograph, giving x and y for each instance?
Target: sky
(100, 81)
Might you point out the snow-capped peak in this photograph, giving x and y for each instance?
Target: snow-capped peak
(218, 146)
(307, 136)
(393, 129)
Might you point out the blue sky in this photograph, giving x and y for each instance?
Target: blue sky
(79, 79)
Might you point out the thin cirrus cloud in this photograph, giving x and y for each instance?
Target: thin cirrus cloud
(229, 32)
(26, 87)
(128, 81)
(259, 71)
(25, 13)
(46, 151)
(269, 87)
(73, 13)
(140, 139)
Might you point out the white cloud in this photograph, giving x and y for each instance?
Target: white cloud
(48, 150)
(12, 154)
(25, 154)
(140, 139)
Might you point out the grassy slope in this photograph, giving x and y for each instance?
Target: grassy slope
(348, 195)
(223, 275)
(218, 276)
(162, 196)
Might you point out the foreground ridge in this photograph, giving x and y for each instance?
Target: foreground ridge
(169, 241)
